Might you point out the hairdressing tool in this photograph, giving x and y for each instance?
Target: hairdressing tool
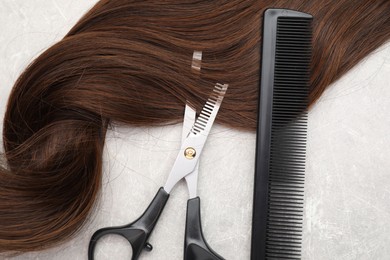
(281, 135)
(194, 137)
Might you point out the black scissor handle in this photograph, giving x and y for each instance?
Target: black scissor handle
(195, 246)
(137, 232)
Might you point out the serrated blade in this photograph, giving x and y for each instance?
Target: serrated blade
(207, 116)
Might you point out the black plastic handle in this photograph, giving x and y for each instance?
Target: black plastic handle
(137, 232)
(195, 246)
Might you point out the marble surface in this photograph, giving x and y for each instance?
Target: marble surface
(347, 212)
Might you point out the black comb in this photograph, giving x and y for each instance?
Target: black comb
(281, 135)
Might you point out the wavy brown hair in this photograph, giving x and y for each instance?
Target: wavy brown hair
(129, 62)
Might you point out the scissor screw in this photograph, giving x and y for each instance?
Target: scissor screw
(190, 153)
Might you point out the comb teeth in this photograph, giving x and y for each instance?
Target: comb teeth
(209, 109)
(288, 138)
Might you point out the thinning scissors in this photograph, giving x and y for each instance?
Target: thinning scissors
(185, 166)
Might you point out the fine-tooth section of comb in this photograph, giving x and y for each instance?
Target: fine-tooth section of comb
(210, 109)
(281, 135)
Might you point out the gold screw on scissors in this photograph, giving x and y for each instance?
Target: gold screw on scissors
(190, 153)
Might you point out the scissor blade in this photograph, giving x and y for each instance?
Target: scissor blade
(210, 110)
(188, 123)
(196, 139)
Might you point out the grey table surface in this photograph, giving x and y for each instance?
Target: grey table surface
(347, 211)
